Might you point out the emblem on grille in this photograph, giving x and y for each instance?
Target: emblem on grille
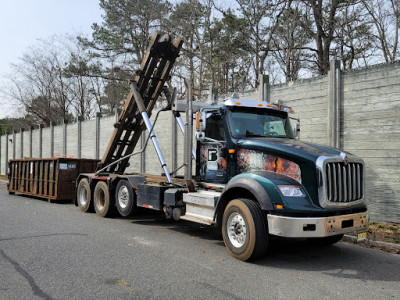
(345, 158)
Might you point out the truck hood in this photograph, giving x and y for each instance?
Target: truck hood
(291, 148)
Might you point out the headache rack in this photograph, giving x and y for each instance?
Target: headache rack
(145, 89)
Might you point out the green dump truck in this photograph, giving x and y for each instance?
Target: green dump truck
(253, 179)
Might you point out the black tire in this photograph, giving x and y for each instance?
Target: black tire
(101, 199)
(124, 198)
(325, 241)
(84, 195)
(239, 215)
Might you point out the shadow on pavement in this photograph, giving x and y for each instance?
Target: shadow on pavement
(341, 260)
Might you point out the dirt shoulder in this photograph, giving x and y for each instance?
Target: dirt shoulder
(384, 236)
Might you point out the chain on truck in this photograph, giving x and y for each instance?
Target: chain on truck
(253, 179)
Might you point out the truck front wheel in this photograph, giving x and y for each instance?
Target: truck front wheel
(84, 195)
(244, 229)
(101, 199)
(124, 198)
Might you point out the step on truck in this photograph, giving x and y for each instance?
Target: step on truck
(253, 178)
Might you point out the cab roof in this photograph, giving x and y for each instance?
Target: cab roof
(257, 104)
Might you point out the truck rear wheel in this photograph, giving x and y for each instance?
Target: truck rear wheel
(101, 199)
(124, 198)
(244, 229)
(84, 195)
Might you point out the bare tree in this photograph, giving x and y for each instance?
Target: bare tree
(261, 23)
(353, 44)
(290, 41)
(38, 84)
(324, 16)
(385, 16)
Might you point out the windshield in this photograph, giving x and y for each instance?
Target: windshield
(258, 122)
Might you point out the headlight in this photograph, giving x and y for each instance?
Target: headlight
(291, 190)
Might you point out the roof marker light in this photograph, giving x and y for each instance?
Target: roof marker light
(259, 104)
(238, 103)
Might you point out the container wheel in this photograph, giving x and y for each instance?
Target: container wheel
(244, 229)
(325, 241)
(101, 199)
(84, 195)
(124, 198)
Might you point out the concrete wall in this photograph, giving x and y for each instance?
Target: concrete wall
(36, 143)
(88, 140)
(309, 99)
(357, 111)
(72, 139)
(371, 130)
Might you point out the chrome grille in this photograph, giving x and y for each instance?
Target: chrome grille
(344, 182)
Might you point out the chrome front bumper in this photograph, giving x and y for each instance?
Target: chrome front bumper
(317, 227)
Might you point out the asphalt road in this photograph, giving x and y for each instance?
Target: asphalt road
(54, 251)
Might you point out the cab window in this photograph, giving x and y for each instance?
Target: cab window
(215, 128)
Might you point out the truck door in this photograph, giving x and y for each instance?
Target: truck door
(213, 155)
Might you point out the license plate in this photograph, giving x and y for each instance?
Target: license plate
(361, 236)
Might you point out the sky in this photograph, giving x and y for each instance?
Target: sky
(23, 22)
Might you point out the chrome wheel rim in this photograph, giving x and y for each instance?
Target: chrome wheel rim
(123, 196)
(83, 196)
(236, 229)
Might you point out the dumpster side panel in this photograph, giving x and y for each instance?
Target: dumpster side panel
(52, 179)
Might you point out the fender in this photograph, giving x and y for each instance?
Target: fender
(258, 185)
(251, 185)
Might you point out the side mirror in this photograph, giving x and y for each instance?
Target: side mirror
(201, 121)
(296, 130)
(200, 136)
(200, 125)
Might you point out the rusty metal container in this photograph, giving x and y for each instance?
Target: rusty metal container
(50, 178)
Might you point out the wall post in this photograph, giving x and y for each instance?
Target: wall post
(40, 140)
(98, 117)
(334, 104)
(116, 113)
(79, 144)
(65, 122)
(263, 88)
(22, 142)
(143, 154)
(174, 161)
(13, 143)
(6, 158)
(30, 141)
(51, 139)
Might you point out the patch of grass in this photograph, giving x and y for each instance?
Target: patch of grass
(384, 232)
(3, 177)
